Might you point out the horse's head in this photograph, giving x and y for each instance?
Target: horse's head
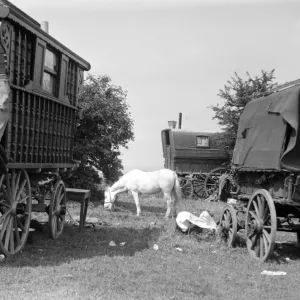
(109, 199)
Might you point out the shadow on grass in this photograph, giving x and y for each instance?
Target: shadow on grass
(72, 245)
(130, 206)
(283, 251)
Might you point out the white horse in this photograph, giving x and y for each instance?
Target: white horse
(139, 182)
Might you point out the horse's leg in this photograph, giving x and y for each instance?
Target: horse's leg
(137, 202)
(169, 200)
(173, 203)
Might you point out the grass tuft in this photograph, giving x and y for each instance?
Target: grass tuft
(84, 266)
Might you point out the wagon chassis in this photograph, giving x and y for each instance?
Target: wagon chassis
(20, 196)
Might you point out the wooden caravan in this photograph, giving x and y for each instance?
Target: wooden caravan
(40, 80)
(264, 182)
(192, 155)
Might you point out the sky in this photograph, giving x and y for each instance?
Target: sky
(173, 56)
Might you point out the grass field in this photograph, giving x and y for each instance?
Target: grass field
(84, 266)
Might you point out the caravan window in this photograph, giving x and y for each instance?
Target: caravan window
(50, 72)
(202, 141)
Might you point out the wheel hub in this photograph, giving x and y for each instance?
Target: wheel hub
(60, 210)
(14, 209)
(256, 226)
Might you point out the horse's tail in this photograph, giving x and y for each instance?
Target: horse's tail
(176, 189)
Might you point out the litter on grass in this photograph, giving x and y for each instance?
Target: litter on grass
(112, 244)
(155, 247)
(272, 273)
(186, 219)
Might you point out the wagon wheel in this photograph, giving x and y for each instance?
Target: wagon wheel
(211, 183)
(186, 187)
(15, 211)
(198, 185)
(57, 209)
(261, 225)
(228, 224)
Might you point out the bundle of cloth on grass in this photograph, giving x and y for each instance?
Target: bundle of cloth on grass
(185, 220)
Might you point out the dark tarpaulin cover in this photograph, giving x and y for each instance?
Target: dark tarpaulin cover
(263, 141)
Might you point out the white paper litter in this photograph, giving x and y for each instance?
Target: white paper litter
(185, 219)
(2, 257)
(265, 272)
(155, 247)
(231, 201)
(179, 249)
(123, 243)
(112, 244)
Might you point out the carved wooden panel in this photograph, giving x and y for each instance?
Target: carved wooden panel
(40, 130)
(72, 82)
(80, 80)
(5, 37)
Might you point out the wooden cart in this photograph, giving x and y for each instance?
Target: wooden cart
(40, 80)
(264, 182)
(192, 155)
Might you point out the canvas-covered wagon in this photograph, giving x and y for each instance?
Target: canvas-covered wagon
(192, 155)
(265, 174)
(40, 80)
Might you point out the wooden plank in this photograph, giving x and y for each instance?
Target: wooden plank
(18, 69)
(22, 127)
(28, 129)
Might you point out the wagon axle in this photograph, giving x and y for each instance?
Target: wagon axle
(60, 210)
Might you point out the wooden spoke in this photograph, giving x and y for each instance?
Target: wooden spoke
(2, 203)
(8, 232)
(261, 246)
(5, 194)
(21, 226)
(266, 242)
(17, 234)
(11, 240)
(13, 184)
(8, 188)
(3, 229)
(5, 214)
(1, 179)
(61, 198)
(261, 225)
(22, 200)
(256, 209)
(267, 236)
(16, 219)
(57, 208)
(254, 215)
(21, 189)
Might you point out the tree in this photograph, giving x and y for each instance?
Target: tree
(105, 125)
(236, 94)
